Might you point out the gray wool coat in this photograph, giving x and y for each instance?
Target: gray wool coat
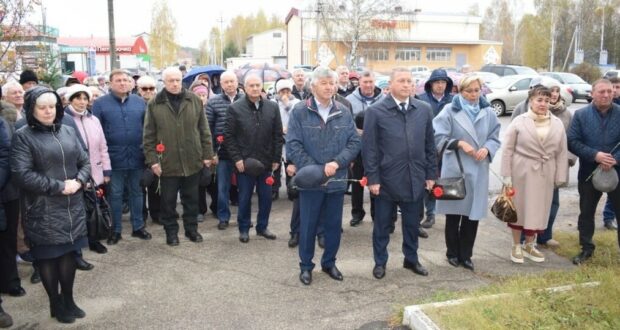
(454, 124)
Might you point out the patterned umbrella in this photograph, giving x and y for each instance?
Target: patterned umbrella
(268, 72)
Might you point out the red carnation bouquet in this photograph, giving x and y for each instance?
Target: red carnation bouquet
(159, 148)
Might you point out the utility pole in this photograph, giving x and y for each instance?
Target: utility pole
(113, 62)
(552, 40)
(221, 21)
(319, 8)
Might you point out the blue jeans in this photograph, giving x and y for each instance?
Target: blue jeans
(429, 204)
(410, 214)
(246, 185)
(315, 206)
(224, 173)
(608, 211)
(118, 181)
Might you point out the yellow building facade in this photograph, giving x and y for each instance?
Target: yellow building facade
(428, 40)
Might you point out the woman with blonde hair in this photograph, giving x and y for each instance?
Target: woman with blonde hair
(468, 126)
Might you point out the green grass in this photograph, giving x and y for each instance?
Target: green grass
(533, 308)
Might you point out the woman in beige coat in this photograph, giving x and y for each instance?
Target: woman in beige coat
(534, 162)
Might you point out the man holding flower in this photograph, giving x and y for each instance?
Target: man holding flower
(177, 146)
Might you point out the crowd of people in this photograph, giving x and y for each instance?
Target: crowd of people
(326, 134)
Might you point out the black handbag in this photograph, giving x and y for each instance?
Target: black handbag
(452, 188)
(98, 215)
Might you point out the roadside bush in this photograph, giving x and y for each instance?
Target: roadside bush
(587, 72)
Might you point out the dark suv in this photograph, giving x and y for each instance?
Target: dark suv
(507, 70)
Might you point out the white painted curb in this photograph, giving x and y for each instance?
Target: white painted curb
(416, 319)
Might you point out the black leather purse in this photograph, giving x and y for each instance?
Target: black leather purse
(452, 188)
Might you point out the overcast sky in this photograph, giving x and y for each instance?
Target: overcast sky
(78, 18)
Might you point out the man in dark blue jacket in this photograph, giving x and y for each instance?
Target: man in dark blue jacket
(437, 93)
(122, 117)
(321, 132)
(398, 149)
(593, 136)
(217, 110)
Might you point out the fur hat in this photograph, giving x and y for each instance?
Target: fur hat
(27, 76)
(74, 89)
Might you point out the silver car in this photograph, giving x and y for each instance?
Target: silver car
(580, 88)
(509, 91)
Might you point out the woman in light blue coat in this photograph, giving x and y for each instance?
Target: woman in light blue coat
(468, 125)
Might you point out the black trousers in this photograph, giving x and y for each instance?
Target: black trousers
(460, 236)
(154, 201)
(187, 186)
(357, 191)
(588, 200)
(9, 278)
(202, 197)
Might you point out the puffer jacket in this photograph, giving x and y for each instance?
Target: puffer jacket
(92, 134)
(310, 140)
(41, 159)
(254, 133)
(217, 108)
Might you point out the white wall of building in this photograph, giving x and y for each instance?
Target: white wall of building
(267, 44)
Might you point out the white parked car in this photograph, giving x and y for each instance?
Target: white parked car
(509, 91)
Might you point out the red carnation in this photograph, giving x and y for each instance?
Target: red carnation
(160, 148)
(220, 139)
(269, 181)
(438, 192)
(99, 193)
(363, 182)
(510, 191)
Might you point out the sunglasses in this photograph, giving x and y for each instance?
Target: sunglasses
(149, 89)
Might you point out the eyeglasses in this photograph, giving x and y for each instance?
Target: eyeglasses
(471, 91)
(147, 89)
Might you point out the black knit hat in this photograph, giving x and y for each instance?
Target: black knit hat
(27, 76)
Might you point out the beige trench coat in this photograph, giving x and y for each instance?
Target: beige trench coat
(536, 168)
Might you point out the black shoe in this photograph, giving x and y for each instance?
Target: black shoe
(141, 234)
(244, 237)
(334, 273)
(422, 233)
(97, 247)
(222, 225)
(36, 276)
(429, 222)
(17, 291)
(5, 319)
(378, 272)
(114, 238)
(294, 241)
(266, 234)
(59, 311)
(194, 236)
(453, 261)
(172, 239)
(355, 222)
(125, 208)
(468, 264)
(321, 241)
(275, 196)
(416, 268)
(82, 264)
(305, 277)
(72, 309)
(582, 257)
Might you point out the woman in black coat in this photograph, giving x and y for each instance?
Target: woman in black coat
(50, 167)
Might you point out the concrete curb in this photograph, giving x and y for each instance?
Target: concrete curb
(415, 318)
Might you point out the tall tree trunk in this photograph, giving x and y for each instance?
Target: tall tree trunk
(113, 62)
